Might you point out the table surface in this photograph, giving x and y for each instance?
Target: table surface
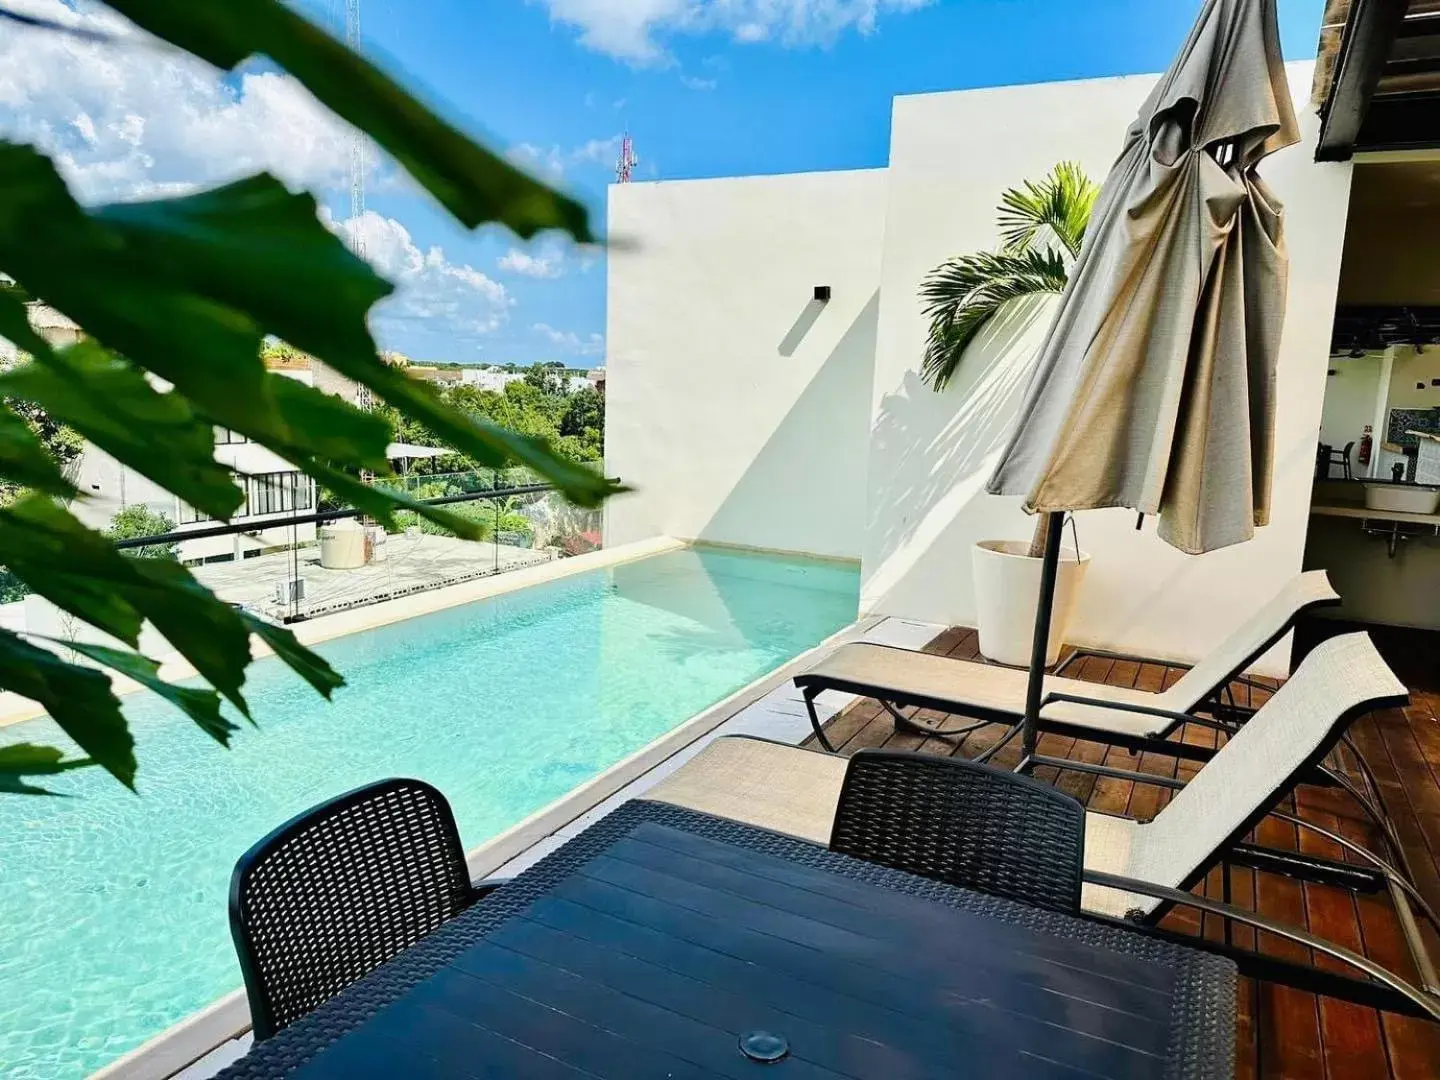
(650, 944)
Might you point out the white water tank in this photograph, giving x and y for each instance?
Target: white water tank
(378, 537)
(342, 545)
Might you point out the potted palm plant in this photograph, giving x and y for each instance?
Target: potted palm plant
(1042, 227)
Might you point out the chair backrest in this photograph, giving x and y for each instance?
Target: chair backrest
(334, 893)
(1247, 641)
(965, 824)
(1341, 679)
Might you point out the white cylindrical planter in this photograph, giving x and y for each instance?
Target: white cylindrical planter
(1007, 588)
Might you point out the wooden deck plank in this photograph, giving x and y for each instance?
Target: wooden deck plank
(1281, 1033)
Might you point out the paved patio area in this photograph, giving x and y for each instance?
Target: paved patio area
(412, 564)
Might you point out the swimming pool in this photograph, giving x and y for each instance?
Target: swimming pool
(114, 923)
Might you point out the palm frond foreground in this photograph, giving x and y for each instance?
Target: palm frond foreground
(1043, 228)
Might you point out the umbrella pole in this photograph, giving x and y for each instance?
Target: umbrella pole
(1044, 608)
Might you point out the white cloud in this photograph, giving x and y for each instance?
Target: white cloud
(551, 163)
(547, 265)
(450, 297)
(634, 30)
(690, 82)
(547, 164)
(571, 342)
(132, 118)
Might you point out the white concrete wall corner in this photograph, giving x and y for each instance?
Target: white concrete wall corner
(737, 407)
(952, 155)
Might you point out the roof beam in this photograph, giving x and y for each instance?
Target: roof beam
(1370, 34)
(1408, 121)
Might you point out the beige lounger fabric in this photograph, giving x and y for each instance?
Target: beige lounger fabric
(986, 686)
(766, 784)
(795, 791)
(1339, 675)
(982, 686)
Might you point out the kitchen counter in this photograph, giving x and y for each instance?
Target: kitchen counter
(1359, 483)
(1367, 514)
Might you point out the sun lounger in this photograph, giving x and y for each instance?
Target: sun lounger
(1137, 871)
(899, 678)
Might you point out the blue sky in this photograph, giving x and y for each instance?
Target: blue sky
(706, 88)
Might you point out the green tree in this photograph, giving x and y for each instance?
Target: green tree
(136, 521)
(1042, 227)
(547, 378)
(61, 442)
(571, 424)
(279, 351)
(584, 412)
(182, 293)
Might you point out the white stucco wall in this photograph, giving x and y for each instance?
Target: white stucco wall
(951, 156)
(737, 407)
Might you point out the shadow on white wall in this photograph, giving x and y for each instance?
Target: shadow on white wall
(775, 501)
(930, 456)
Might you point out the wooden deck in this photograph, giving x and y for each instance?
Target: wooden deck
(1282, 1032)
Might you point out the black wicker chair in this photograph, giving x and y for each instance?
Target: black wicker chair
(334, 893)
(965, 824)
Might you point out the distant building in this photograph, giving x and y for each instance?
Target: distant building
(292, 363)
(597, 378)
(438, 376)
(331, 381)
(274, 489)
(489, 378)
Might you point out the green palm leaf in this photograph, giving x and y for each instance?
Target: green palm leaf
(960, 296)
(1060, 204)
(1043, 228)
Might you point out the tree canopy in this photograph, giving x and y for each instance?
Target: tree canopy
(543, 408)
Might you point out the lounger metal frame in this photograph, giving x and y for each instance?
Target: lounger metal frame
(811, 685)
(1380, 989)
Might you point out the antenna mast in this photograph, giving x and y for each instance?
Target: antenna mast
(357, 141)
(625, 167)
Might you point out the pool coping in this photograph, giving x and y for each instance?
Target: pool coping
(15, 709)
(182, 1045)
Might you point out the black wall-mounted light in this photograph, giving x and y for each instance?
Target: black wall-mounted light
(822, 293)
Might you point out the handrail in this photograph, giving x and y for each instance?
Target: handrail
(250, 525)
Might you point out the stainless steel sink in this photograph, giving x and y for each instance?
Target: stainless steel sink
(1402, 498)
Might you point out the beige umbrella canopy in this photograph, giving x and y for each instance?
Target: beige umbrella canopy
(1155, 389)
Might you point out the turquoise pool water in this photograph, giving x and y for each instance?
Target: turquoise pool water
(112, 905)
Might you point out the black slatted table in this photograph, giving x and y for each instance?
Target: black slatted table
(651, 944)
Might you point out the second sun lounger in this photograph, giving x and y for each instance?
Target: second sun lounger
(899, 678)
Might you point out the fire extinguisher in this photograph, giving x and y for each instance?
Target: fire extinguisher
(1367, 443)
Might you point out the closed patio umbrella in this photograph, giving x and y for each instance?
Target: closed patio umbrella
(1155, 389)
